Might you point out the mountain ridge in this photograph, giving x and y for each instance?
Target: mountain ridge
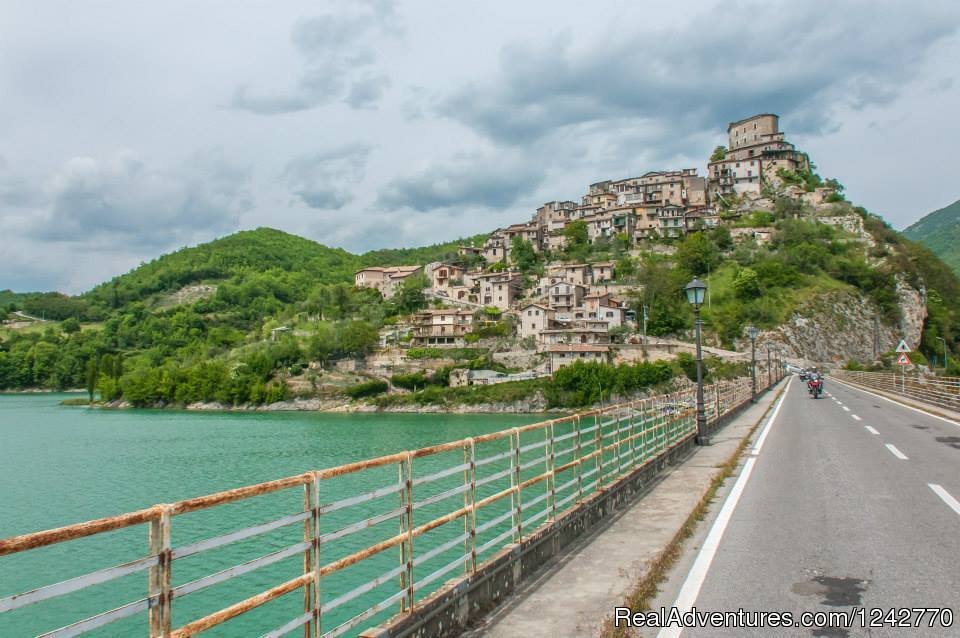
(940, 232)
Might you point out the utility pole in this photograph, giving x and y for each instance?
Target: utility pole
(644, 323)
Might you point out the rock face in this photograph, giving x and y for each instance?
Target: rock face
(839, 326)
(913, 310)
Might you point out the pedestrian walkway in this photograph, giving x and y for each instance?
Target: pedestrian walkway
(572, 596)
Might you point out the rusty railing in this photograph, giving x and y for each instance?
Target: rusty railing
(452, 506)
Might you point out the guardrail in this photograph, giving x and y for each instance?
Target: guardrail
(501, 486)
(939, 391)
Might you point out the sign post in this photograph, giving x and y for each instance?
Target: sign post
(903, 361)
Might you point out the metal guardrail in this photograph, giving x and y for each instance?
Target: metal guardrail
(939, 391)
(502, 486)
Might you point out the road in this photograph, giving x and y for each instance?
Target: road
(851, 500)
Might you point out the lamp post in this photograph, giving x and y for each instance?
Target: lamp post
(944, 354)
(752, 332)
(695, 291)
(769, 369)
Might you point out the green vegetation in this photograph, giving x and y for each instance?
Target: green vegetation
(940, 232)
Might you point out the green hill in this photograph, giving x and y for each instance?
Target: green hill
(940, 232)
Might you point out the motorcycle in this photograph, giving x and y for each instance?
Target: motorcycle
(815, 387)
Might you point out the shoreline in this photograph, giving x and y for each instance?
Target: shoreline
(341, 407)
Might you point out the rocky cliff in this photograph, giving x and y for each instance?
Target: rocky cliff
(841, 325)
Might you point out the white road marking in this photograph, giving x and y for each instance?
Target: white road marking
(845, 408)
(856, 418)
(698, 573)
(903, 405)
(870, 429)
(951, 502)
(766, 429)
(897, 453)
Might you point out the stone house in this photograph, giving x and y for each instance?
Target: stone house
(534, 318)
(573, 273)
(529, 232)
(442, 327)
(443, 275)
(499, 289)
(386, 280)
(566, 295)
(563, 355)
(601, 271)
(672, 222)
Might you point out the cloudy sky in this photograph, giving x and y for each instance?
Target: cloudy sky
(128, 129)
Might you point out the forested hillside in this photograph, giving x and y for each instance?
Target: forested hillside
(940, 232)
(235, 319)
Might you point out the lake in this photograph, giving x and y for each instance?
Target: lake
(62, 465)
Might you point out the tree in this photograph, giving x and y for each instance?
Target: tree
(576, 234)
(746, 285)
(522, 254)
(70, 325)
(722, 238)
(410, 297)
(719, 153)
(697, 254)
(93, 375)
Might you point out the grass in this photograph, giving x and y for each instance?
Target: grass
(647, 588)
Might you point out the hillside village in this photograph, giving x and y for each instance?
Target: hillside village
(579, 311)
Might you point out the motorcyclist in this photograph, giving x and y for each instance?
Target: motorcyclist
(812, 376)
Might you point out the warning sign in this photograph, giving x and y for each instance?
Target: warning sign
(902, 346)
(903, 360)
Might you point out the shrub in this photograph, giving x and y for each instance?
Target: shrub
(366, 389)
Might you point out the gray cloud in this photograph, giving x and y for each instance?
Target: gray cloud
(338, 50)
(490, 181)
(126, 199)
(804, 60)
(328, 179)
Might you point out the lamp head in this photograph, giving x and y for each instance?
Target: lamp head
(696, 291)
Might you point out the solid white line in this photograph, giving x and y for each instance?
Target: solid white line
(698, 573)
(870, 429)
(897, 453)
(855, 417)
(845, 408)
(903, 405)
(951, 502)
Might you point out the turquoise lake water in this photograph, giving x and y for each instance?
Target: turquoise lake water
(62, 465)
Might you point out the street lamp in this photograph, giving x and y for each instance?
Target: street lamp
(752, 332)
(769, 369)
(944, 354)
(695, 291)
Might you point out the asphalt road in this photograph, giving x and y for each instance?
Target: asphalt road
(836, 511)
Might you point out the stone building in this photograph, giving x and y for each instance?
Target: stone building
(387, 279)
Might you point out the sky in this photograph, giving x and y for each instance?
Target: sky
(130, 129)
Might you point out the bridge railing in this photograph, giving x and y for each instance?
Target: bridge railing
(372, 536)
(939, 391)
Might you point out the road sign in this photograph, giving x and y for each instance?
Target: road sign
(902, 346)
(903, 360)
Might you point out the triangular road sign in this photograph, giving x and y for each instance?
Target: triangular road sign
(902, 346)
(903, 360)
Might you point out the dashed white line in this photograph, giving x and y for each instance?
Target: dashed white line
(897, 453)
(845, 408)
(856, 418)
(944, 495)
(870, 429)
(902, 405)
